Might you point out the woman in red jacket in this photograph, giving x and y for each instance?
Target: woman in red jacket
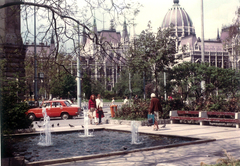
(92, 108)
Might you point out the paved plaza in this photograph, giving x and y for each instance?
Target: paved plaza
(190, 155)
(227, 138)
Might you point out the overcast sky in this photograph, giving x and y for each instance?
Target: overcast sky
(216, 14)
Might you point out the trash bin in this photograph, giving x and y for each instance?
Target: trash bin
(113, 109)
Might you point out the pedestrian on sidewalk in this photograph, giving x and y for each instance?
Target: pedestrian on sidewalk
(126, 101)
(99, 104)
(155, 108)
(92, 109)
(135, 99)
(113, 101)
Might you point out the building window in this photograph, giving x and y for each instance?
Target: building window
(196, 46)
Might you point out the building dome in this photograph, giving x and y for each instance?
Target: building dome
(180, 20)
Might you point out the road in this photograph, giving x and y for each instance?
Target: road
(76, 121)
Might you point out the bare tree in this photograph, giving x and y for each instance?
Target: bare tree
(61, 18)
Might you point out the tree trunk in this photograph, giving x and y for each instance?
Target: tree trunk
(156, 90)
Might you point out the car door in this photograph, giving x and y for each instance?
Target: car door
(56, 109)
(47, 105)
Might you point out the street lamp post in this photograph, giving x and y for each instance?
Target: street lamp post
(35, 57)
(202, 50)
(78, 72)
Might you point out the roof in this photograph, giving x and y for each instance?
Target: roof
(110, 36)
(176, 16)
(179, 18)
(210, 45)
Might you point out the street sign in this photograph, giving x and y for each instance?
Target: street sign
(41, 75)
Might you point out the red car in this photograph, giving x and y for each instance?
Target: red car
(54, 108)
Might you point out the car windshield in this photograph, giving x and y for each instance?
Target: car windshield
(67, 103)
(70, 102)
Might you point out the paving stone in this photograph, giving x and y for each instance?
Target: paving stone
(136, 159)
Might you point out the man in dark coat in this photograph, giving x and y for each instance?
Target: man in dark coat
(155, 108)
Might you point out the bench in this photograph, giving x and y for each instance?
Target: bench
(204, 117)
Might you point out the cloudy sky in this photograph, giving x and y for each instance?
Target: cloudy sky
(216, 14)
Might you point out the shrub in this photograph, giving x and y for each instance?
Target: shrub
(135, 111)
(12, 109)
(169, 105)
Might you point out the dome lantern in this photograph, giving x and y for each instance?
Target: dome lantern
(175, 1)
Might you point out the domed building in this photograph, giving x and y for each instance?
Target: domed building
(178, 17)
(215, 53)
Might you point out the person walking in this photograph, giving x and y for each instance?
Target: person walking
(125, 101)
(99, 104)
(112, 103)
(92, 108)
(135, 99)
(155, 108)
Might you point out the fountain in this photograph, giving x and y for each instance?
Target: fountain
(45, 134)
(134, 126)
(85, 114)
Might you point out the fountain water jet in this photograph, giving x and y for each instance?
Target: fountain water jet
(45, 134)
(134, 126)
(86, 130)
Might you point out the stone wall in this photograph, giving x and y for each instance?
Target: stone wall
(12, 50)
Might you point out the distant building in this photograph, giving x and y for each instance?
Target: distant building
(231, 40)
(45, 54)
(215, 52)
(107, 61)
(42, 49)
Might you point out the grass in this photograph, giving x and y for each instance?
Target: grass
(228, 161)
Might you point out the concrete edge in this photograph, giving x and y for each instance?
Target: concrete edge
(52, 132)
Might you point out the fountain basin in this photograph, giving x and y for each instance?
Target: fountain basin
(110, 143)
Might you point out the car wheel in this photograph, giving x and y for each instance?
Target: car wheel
(32, 116)
(65, 116)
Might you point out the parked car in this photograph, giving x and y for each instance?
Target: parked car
(54, 108)
(31, 104)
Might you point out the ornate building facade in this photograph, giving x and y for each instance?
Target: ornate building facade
(215, 54)
(105, 61)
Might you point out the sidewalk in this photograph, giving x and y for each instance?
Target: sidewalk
(189, 155)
